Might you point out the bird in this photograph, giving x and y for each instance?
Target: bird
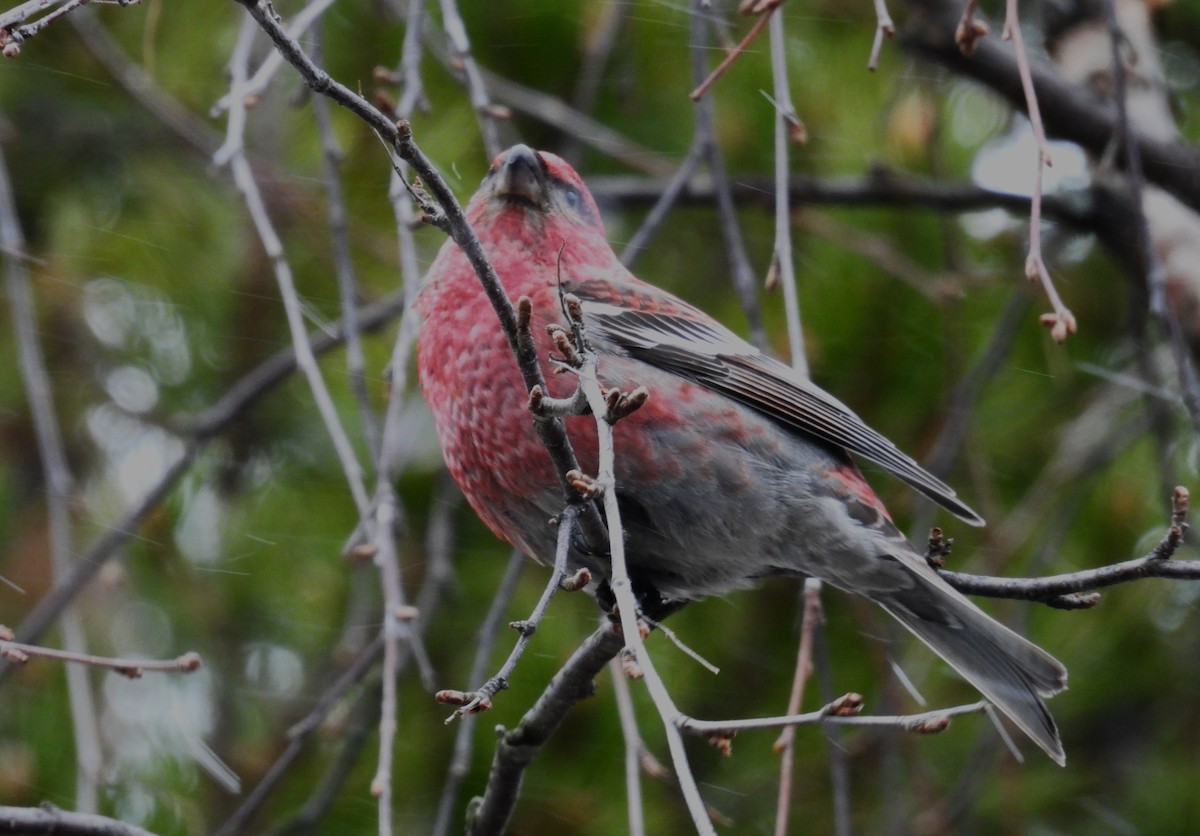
(737, 467)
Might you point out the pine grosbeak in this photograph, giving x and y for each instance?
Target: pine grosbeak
(736, 468)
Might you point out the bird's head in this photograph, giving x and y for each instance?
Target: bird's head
(534, 189)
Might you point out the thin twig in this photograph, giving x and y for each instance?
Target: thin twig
(588, 130)
(1062, 322)
(1069, 111)
(883, 253)
(1062, 591)
(11, 37)
(880, 187)
(254, 86)
(120, 531)
(239, 398)
(1156, 277)
(765, 10)
(622, 589)
(343, 263)
(924, 723)
(599, 45)
(480, 699)
(485, 641)
(24, 11)
(353, 736)
(884, 28)
(298, 736)
(783, 265)
(839, 767)
(666, 200)
(140, 86)
(385, 517)
(740, 271)
(785, 745)
(516, 748)
(243, 177)
(485, 112)
(60, 486)
(633, 749)
(21, 652)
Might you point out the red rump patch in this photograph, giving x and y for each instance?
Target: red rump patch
(847, 482)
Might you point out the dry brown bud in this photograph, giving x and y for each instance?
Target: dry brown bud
(524, 312)
(12, 50)
(382, 75)
(624, 405)
(722, 742)
(797, 131)
(1060, 326)
(771, 282)
(452, 697)
(653, 767)
(934, 725)
(581, 482)
(1181, 499)
(537, 398)
(406, 613)
(188, 662)
(574, 307)
(939, 548)
(362, 552)
(630, 667)
(968, 32)
(19, 657)
(611, 398)
(525, 627)
(562, 341)
(383, 100)
(757, 7)
(847, 705)
(576, 582)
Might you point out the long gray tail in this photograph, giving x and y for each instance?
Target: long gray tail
(1011, 672)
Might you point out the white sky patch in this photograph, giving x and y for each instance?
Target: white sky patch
(1008, 164)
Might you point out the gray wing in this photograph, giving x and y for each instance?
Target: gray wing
(705, 352)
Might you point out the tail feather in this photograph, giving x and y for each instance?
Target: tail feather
(1007, 669)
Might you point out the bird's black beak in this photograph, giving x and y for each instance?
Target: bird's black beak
(521, 174)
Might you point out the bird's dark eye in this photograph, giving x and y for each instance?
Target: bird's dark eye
(573, 199)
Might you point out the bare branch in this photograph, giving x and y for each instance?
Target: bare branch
(842, 711)
(740, 270)
(783, 264)
(60, 487)
(1070, 112)
(785, 745)
(765, 9)
(480, 699)
(49, 819)
(21, 652)
(517, 748)
(884, 28)
(489, 630)
(1063, 591)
